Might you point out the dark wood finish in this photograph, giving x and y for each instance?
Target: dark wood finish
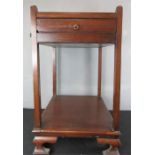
(76, 116)
(76, 38)
(117, 69)
(77, 113)
(39, 141)
(36, 76)
(114, 142)
(49, 132)
(76, 25)
(54, 71)
(99, 71)
(73, 15)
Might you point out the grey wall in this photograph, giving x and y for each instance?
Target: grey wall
(77, 68)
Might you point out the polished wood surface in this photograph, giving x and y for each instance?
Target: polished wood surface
(73, 15)
(36, 74)
(39, 142)
(114, 142)
(77, 113)
(100, 38)
(99, 71)
(76, 116)
(76, 25)
(117, 69)
(81, 29)
(76, 134)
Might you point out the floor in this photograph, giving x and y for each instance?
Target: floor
(71, 146)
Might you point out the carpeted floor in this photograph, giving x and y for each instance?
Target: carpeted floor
(72, 146)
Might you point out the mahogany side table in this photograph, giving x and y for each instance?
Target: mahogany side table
(76, 116)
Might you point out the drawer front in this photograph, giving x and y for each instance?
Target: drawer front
(76, 25)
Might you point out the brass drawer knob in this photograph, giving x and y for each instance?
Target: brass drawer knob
(76, 27)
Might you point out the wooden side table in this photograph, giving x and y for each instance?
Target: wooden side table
(76, 116)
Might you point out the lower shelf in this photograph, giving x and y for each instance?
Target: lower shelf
(76, 116)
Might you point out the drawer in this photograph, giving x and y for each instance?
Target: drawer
(76, 25)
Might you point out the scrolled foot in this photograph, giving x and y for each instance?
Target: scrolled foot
(39, 142)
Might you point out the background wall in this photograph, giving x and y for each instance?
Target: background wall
(77, 68)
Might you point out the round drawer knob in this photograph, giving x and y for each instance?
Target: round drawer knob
(76, 27)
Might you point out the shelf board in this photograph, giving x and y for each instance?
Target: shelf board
(77, 116)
